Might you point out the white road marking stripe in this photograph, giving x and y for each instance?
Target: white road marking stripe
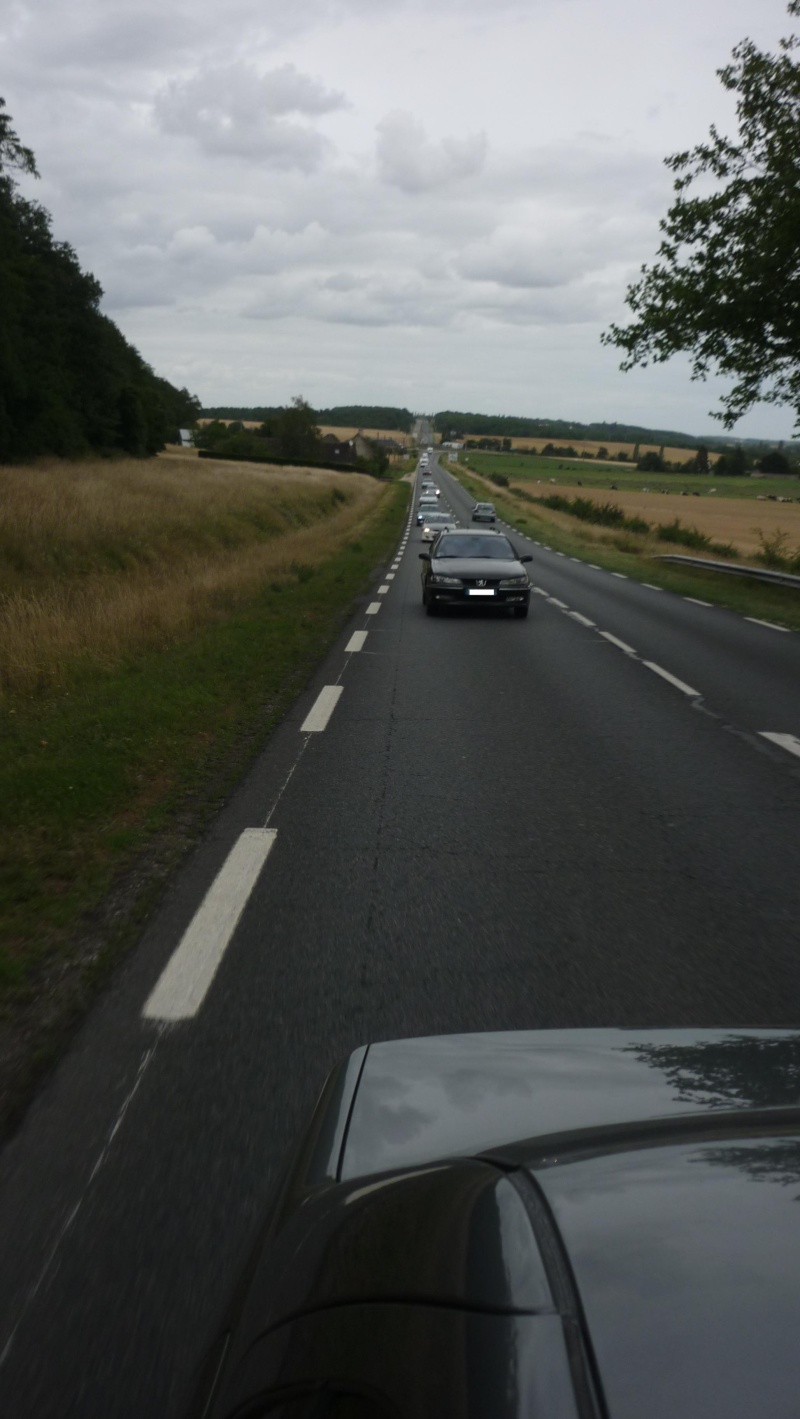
(576, 559)
(540, 591)
(356, 642)
(771, 624)
(695, 600)
(622, 576)
(584, 620)
(561, 554)
(373, 608)
(665, 675)
(594, 566)
(184, 982)
(382, 590)
(652, 588)
(390, 576)
(317, 718)
(555, 602)
(785, 741)
(629, 650)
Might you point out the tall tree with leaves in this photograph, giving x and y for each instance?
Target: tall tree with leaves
(69, 380)
(726, 286)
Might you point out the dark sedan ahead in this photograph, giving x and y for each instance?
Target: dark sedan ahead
(475, 569)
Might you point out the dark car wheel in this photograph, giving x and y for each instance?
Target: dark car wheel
(521, 613)
(431, 607)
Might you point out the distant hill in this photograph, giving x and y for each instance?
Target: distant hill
(450, 422)
(359, 416)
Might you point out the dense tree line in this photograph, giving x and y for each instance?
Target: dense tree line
(356, 416)
(514, 426)
(70, 383)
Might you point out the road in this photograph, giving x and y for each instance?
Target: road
(494, 824)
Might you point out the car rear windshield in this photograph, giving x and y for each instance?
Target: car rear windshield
(494, 548)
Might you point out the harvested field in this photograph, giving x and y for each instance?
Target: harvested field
(672, 455)
(102, 559)
(724, 519)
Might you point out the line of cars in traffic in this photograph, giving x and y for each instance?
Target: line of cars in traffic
(465, 566)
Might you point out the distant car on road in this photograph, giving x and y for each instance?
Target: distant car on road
(436, 522)
(465, 568)
(484, 512)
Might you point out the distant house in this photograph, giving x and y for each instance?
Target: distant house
(186, 438)
(337, 448)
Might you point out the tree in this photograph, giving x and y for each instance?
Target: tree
(297, 432)
(69, 380)
(650, 463)
(726, 287)
(775, 462)
(731, 464)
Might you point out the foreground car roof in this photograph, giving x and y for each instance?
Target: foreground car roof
(577, 1224)
(444, 1095)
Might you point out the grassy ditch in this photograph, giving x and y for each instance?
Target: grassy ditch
(167, 631)
(635, 554)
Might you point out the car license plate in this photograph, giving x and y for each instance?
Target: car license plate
(480, 593)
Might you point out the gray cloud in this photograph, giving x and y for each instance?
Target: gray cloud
(233, 111)
(409, 160)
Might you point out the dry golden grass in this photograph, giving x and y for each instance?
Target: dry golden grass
(739, 521)
(100, 559)
(671, 455)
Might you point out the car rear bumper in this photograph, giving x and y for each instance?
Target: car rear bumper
(460, 596)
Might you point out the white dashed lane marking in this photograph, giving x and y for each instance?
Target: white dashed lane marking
(785, 741)
(620, 575)
(317, 718)
(562, 605)
(584, 620)
(695, 600)
(356, 642)
(673, 680)
(770, 624)
(373, 608)
(185, 980)
(621, 645)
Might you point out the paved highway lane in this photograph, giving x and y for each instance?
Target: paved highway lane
(501, 824)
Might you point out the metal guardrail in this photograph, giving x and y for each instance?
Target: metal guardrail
(734, 569)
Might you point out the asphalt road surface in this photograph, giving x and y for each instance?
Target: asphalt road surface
(465, 823)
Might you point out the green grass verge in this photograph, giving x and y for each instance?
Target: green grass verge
(624, 552)
(125, 767)
(572, 471)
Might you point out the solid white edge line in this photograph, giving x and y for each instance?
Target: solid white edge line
(185, 980)
(695, 600)
(789, 742)
(317, 718)
(373, 608)
(356, 642)
(771, 624)
(673, 680)
(622, 645)
(584, 620)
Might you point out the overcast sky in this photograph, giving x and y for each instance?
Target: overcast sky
(378, 201)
